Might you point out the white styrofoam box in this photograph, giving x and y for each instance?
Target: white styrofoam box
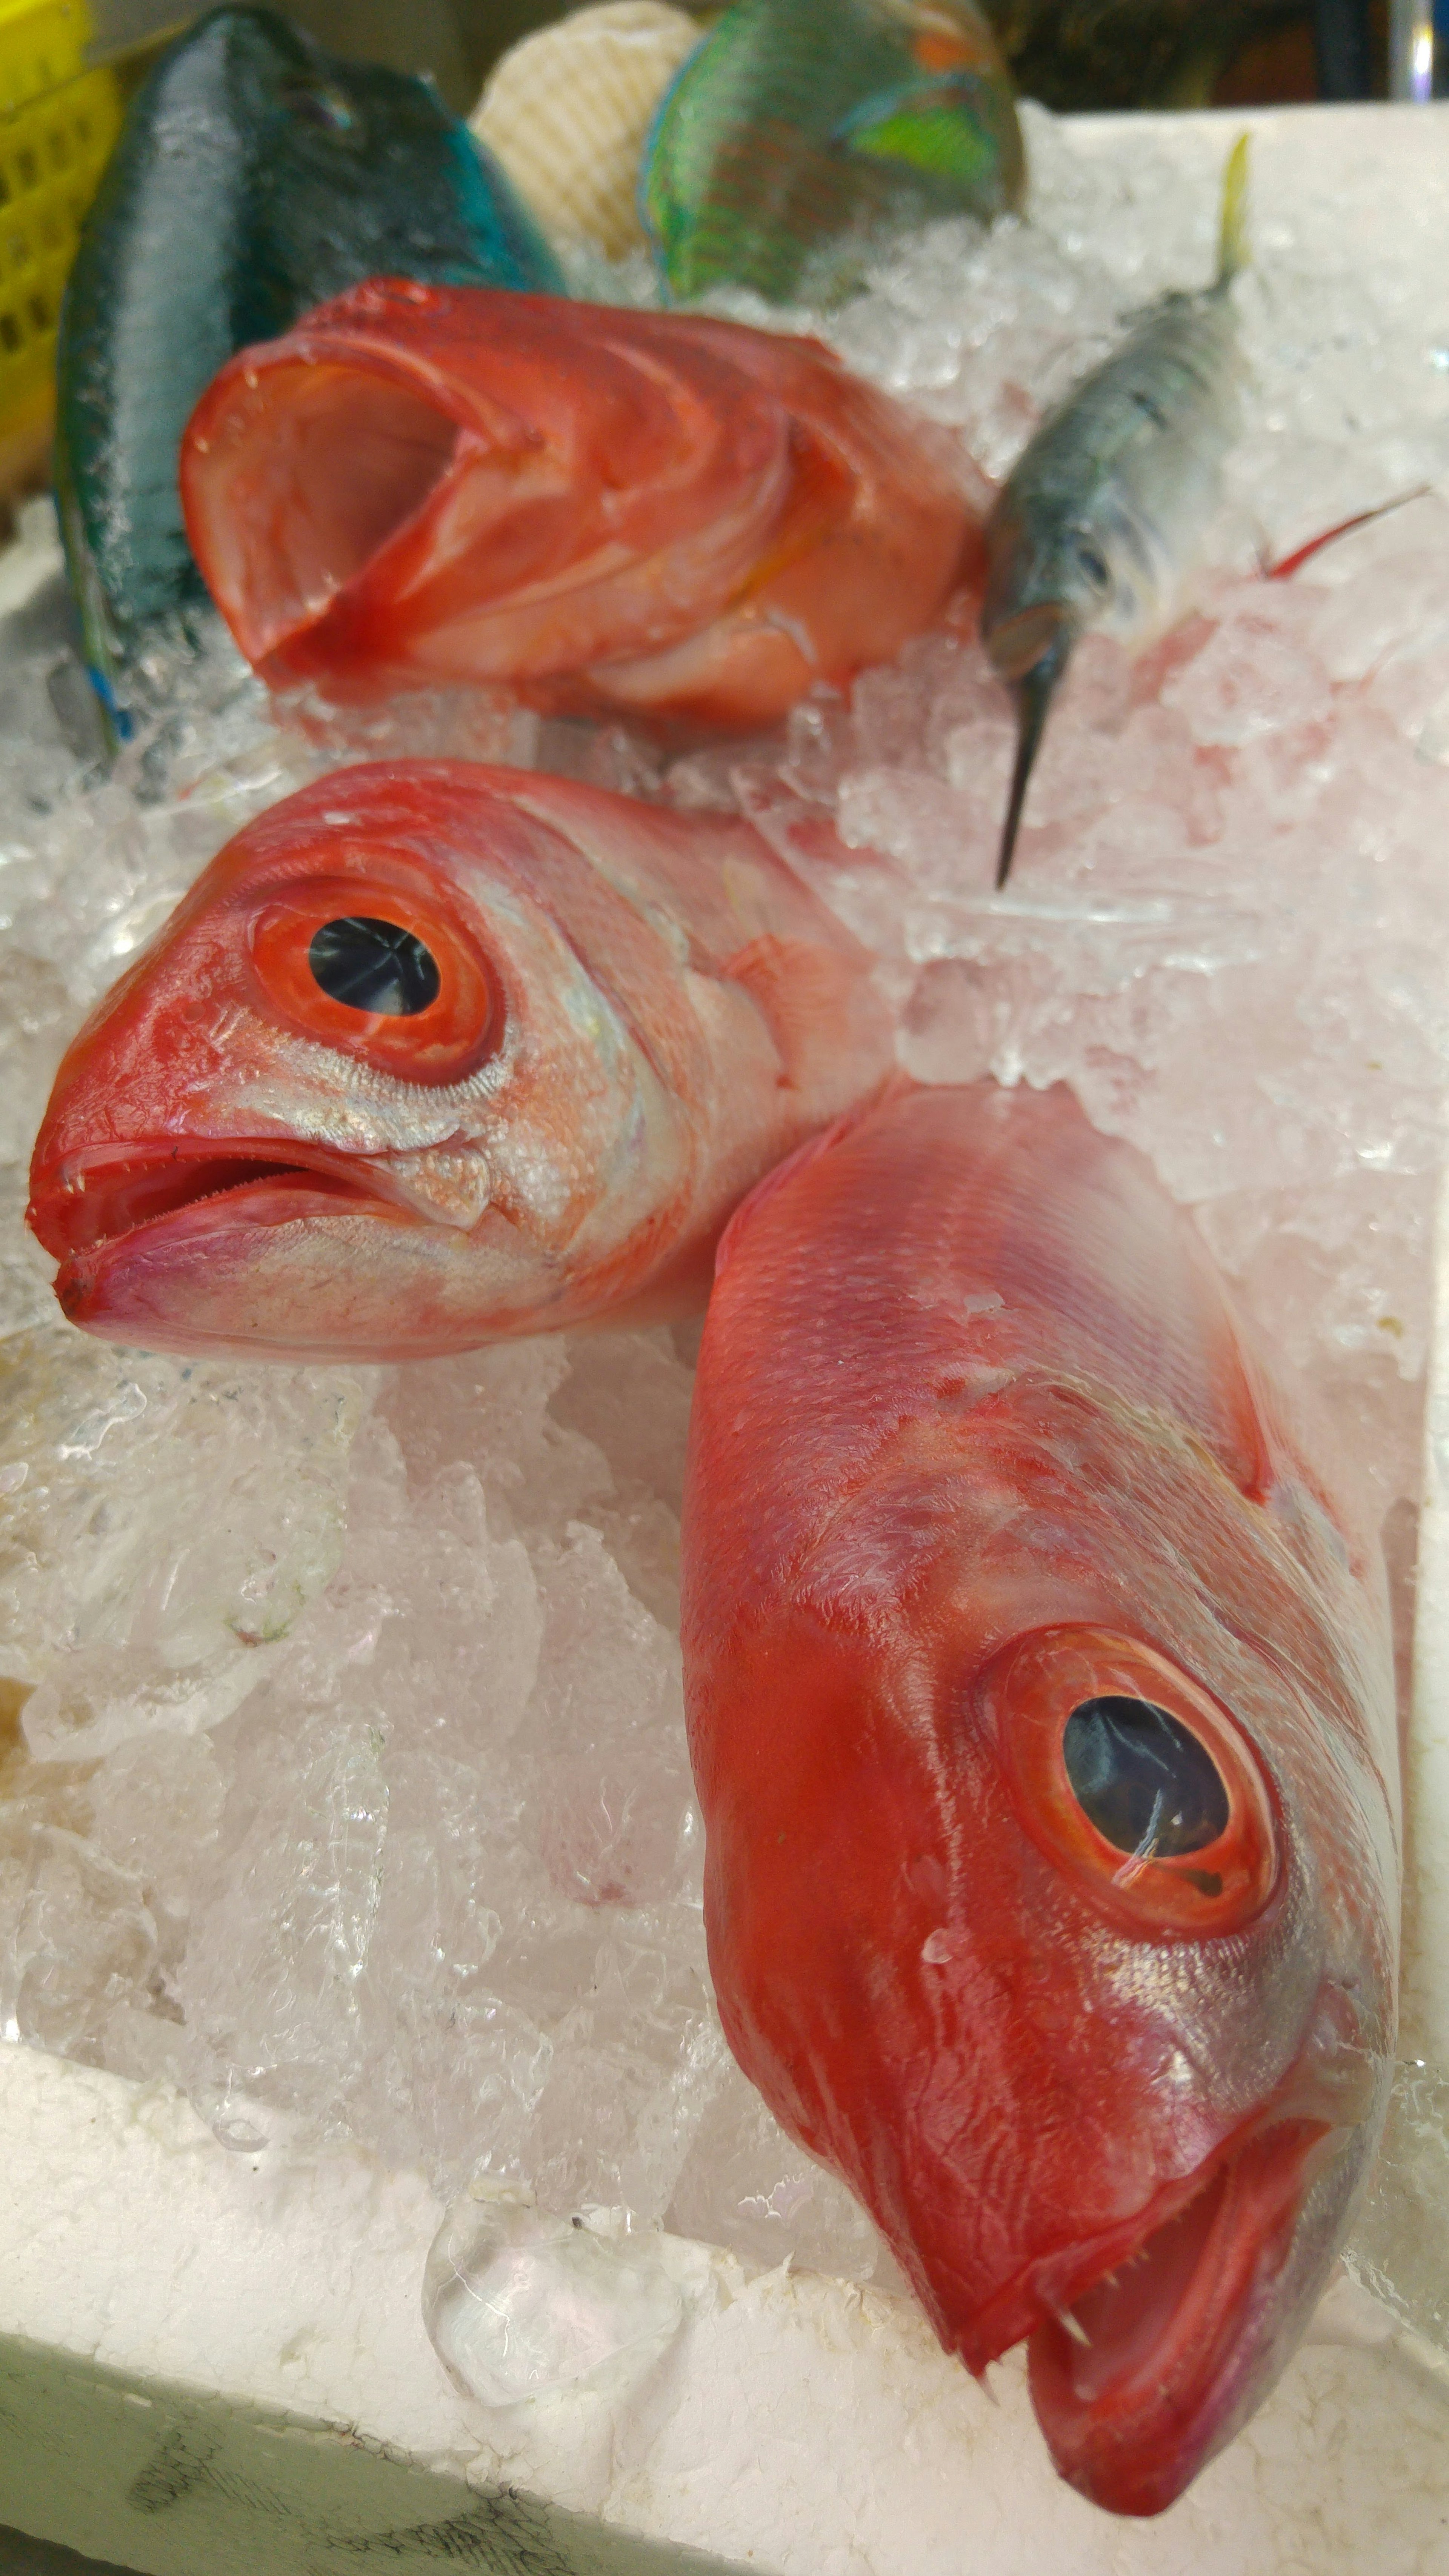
(214, 2364)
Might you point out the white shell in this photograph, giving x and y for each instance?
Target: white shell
(567, 112)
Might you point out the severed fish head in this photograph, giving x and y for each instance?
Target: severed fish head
(433, 1054)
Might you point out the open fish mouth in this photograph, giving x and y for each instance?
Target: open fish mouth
(1151, 2368)
(94, 1201)
(399, 446)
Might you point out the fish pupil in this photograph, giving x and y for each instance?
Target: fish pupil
(1142, 1777)
(374, 966)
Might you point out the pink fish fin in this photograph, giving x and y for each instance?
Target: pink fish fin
(1301, 555)
(1242, 1438)
(817, 1000)
(895, 1087)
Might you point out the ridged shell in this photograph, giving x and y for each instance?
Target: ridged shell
(567, 112)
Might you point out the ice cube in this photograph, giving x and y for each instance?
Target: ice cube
(521, 2306)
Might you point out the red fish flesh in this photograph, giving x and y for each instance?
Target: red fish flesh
(435, 1053)
(1041, 1711)
(422, 486)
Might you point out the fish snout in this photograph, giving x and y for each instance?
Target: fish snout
(1018, 642)
(1147, 2373)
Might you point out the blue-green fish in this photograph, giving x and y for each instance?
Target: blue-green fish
(255, 176)
(1096, 523)
(803, 132)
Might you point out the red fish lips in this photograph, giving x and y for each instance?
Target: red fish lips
(95, 1211)
(1146, 2373)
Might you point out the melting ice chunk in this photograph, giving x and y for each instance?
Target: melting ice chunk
(522, 2305)
(1400, 2246)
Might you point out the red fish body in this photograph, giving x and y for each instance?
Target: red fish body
(1041, 1711)
(651, 513)
(435, 1053)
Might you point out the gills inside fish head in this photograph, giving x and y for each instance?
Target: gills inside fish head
(1102, 1972)
(361, 1097)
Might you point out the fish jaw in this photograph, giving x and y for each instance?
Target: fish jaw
(1028, 642)
(173, 1244)
(1146, 2375)
(284, 1263)
(531, 494)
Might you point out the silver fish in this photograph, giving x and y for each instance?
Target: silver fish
(1095, 523)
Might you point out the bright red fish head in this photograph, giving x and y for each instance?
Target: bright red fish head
(361, 1096)
(1096, 2036)
(683, 519)
(1043, 1728)
(435, 1053)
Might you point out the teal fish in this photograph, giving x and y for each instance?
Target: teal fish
(1096, 522)
(803, 132)
(255, 176)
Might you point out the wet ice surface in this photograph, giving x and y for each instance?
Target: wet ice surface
(344, 1781)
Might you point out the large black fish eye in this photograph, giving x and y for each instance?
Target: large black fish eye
(1143, 1778)
(374, 966)
(313, 103)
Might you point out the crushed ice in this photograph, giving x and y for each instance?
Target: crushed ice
(342, 1773)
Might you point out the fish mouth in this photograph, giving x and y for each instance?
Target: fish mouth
(94, 1201)
(398, 444)
(1151, 2367)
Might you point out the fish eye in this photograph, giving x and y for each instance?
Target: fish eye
(1142, 1777)
(1134, 1781)
(384, 964)
(372, 965)
(1092, 563)
(313, 103)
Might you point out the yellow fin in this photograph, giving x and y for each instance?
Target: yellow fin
(1233, 252)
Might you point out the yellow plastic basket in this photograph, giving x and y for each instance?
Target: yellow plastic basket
(58, 122)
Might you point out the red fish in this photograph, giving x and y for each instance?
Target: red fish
(649, 512)
(432, 1054)
(1041, 1711)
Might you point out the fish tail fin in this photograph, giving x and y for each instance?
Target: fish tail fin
(1233, 251)
(1034, 693)
(1303, 554)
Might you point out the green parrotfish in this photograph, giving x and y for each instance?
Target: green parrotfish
(804, 132)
